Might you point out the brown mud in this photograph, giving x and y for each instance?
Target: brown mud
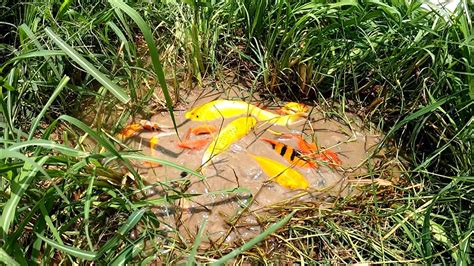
(235, 196)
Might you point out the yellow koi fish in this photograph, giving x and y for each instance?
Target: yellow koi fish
(231, 133)
(220, 109)
(282, 174)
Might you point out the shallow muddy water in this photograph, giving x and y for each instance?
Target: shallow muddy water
(236, 193)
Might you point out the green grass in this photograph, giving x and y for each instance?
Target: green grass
(405, 70)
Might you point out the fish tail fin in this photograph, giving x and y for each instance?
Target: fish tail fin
(312, 164)
(207, 157)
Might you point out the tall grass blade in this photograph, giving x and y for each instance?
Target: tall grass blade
(155, 58)
(87, 209)
(79, 253)
(51, 145)
(49, 223)
(163, 162)
(197, 241)
(129, 253)
(18, 188)
(6, 259)
(63, 8)
(42, 53)
(56, 92)
(122, 37)
(32, 36)
(270, 230)
(88, 67)
(102, 141)
(134, 218)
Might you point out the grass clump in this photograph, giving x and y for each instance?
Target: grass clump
(406, 70)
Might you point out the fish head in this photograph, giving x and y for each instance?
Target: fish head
(294, 108)
(205, 112)
(196, 114)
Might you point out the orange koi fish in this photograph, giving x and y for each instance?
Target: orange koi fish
(194, 144)
(311, 150)
(305, 147)
(201, 130)
(293, 156)
(330, 157)
(282, 174)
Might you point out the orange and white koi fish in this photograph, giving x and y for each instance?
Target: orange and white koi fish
(229, 134)
(282, 174)
(129, 131)
(293, 156)
(150, 126)
(134, 129)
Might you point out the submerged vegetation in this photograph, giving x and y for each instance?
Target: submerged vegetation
(407, 71)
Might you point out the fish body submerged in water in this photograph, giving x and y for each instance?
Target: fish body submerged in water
(282, 174)
(231, 133)
(293, 156)
(220, 109)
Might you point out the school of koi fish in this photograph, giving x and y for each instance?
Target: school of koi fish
(253, 158)
(306, 154)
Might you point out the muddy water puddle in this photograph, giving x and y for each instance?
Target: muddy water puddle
(236, 194)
